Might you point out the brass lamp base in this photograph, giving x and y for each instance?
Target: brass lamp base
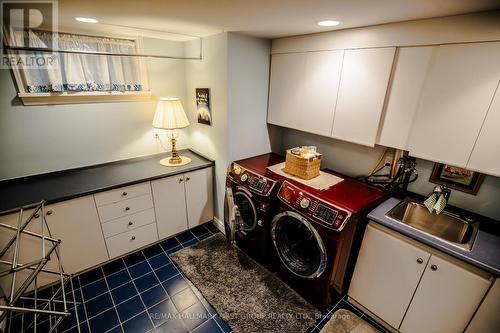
(167, 161)
(175, 159)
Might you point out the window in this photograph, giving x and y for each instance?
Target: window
(80, 78)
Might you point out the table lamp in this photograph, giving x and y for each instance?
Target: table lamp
(170, 115)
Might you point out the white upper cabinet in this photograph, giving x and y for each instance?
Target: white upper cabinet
(485, 157)
(320, 86)
(361, 96)
(303, 90)
(285, 89)
(412, 64)
(457, 93)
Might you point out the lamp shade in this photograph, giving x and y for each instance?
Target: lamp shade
(170, 114)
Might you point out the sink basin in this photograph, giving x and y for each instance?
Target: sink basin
(446, 226)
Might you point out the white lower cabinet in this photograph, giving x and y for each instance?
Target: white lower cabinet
(386, 275)
(129, 222)
(183, 201)
(170, 205)
(77, 224)
(95, 228)
(446, 298)
(131, 240)
(486, 318)
(199, 197)
(30, 250)
(413, 288)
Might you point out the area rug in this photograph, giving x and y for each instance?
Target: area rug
(344, 321)
(247, 296)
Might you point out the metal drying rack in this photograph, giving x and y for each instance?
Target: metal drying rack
(33, 309)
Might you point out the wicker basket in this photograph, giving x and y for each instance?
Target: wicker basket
(305, 168)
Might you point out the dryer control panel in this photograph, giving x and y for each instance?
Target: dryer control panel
(252, 181)
(313, 207)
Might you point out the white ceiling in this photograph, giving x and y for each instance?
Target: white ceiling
(262, 18)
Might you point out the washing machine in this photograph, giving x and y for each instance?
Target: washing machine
(316, 235)
(250, 203)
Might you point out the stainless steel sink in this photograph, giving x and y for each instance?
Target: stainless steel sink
(448, 227)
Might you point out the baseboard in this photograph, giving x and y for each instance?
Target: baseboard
(219, 224)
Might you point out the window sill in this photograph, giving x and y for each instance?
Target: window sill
(83, 97)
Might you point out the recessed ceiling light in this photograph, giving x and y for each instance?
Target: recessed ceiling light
(86, 20)
(328, 23)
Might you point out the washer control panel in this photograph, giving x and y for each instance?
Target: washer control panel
(313, 207)
(254, 182)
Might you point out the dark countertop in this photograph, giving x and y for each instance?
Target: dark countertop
(485, 253)
(67, 184)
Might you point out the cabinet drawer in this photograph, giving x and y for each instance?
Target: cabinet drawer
(122, 193)
(125, 207)
(126, 223)
(131, 240)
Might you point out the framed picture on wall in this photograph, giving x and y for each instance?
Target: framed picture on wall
(459, 179)
(203, 112)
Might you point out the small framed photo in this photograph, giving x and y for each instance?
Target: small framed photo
(459, 179)
(204, 114)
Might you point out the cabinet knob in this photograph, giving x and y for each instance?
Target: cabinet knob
(124, 193)
(37, 215)
(187, 178)
(133, 238)
(434, 267)
(49, 212)
(130, 223)
(420, 260)
(127, 208)
(181, 180)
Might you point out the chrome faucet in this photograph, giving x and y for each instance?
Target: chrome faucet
(435, 202)
(440, 189)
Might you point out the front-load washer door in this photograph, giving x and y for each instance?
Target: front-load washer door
(247, 213)
(299, 245)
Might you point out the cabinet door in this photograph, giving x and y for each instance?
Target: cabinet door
(386, 275)
(361, 96)
(456, 96)
(76, 223)
(199, 197)
(412, 64)
(170, 205)
(486, 318)
(485, 156)
(319, 91)
(304, 89)
(30, 249)
(445, 300)
(285, 89)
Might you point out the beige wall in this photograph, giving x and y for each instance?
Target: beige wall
(236, 69)
(356, 160)
(212, 141)
(39, 139)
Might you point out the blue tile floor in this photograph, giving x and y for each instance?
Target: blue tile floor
(144, 292)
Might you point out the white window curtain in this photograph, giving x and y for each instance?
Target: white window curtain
(72, 72)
